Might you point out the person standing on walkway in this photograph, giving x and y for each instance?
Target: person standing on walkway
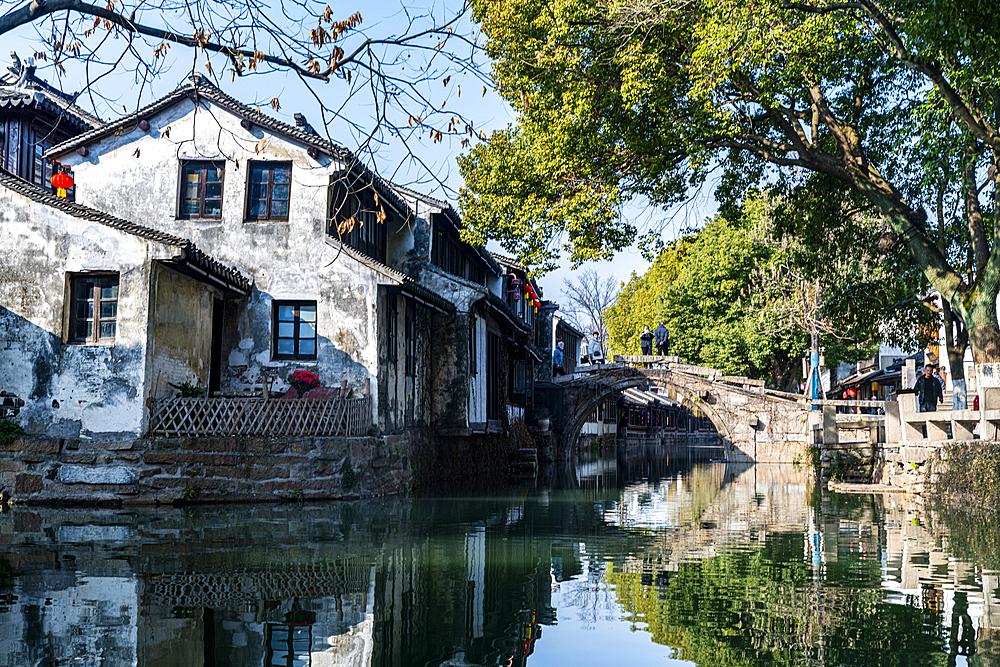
(662, 337)
(646, 344)
(595, 350)
(928, 388)
(557, 359)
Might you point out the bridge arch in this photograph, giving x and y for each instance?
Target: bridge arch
(685, 398)
(751, 424)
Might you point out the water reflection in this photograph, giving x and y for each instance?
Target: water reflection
(636, 556)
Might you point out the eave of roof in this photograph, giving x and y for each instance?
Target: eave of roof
(230, 276)
(197, 87)
(505, 310)
(32, 97)
(503, 260)
(397, 277)
(418, 291)
(572, 329)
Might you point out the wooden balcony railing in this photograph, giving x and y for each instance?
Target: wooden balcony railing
(220, 417)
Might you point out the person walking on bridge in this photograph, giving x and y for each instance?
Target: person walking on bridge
(646, 344)
(662, 337)
(557, 359)
(928, 388)
(594, 349)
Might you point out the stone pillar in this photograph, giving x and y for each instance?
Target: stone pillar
(831, 433)
(543, 325)
(909, 374)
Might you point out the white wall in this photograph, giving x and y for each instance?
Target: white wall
(136, 176)
(71, 390)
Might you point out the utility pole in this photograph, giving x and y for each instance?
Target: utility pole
(814, 360)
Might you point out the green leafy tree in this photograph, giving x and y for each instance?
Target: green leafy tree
(745, 294)
(646, 97)
(640, 299)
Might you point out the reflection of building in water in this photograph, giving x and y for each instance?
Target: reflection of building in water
(58, 618)
(475, 598)
(745, 562)
(293, 615)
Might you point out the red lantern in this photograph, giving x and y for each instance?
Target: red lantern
(62, 182)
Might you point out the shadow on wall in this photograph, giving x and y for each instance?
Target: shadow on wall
(248, 355)
(71, 391)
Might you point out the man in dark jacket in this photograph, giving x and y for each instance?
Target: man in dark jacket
(662, 338)
(928, 388)
(646, 344)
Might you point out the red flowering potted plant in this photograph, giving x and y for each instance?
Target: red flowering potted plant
(303, 381)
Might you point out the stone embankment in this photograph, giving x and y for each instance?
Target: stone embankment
(168, 471)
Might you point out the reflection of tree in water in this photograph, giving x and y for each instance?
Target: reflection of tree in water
(761, 606)
(590, 598)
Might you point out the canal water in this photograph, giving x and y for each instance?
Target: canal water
(642, 555)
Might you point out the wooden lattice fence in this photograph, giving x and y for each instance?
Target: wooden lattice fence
(219, 417)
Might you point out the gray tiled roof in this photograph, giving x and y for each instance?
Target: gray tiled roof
(230, 276)
(449, 212)
(503, 260)
(199, 87)
(38, 92)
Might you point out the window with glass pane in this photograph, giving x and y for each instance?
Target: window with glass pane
(201, 188)
(94, 308)
(295, 330)
(269, 190)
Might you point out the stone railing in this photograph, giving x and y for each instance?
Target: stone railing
(907, 426)
(221, 417)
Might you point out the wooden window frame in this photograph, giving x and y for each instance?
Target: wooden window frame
(297, 323)
(99, 280)
(392, 329)
(473, 346)
(203, 165)
(270, 167)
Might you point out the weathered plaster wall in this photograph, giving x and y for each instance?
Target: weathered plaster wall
(409, 241)
(76, 391)
(406, 398)
(451, 352)
(181, 336)
(288, 260)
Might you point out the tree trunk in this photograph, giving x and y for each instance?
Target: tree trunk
(956, 339)
(981, 321)
(956, 336)
(976, 304)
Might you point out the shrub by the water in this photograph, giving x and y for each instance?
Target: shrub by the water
(972, 477)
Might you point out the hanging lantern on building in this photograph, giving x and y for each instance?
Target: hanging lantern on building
(515, 287)
(62, 182)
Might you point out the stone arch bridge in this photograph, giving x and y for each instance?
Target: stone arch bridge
(754, 424)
